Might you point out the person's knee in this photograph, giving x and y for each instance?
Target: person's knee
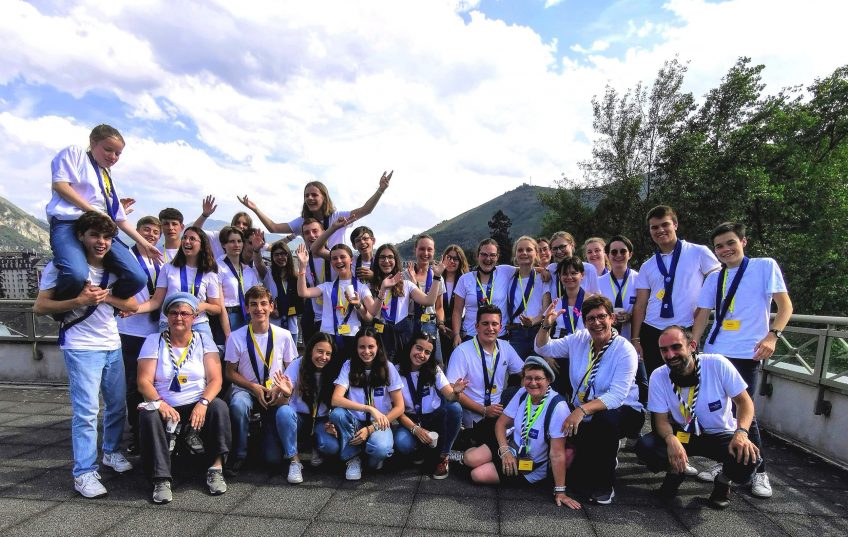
(485, 474)
(285, 418)
(453, 411)
(404, 442)
(477, 456)
(339, 415)
(148, 419)
(218, 410)
(241, 404)
(327, 444)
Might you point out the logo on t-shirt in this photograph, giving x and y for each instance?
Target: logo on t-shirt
(378, 392)
(632, 299)
(425, 391)
(715, 405)
(533, 434)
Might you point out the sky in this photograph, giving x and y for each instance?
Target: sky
(463, 99)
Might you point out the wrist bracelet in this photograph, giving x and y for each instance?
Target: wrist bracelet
(206, 215)
(583, 410)
(414, 428)
(546, 326)
(503, 450)
(558, 490)
(742, 430)
(635, 339)
(437, 278)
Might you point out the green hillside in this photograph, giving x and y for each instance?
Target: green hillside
(521, 205)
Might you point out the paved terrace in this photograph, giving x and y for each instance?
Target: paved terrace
(37, 497)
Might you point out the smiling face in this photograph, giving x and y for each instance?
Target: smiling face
(544, 253)
(421, 351)
(106, 152)
(525, 253)
(322, 353)
(729, 248)
(676, 352)
(190, 243)
(280, 257)
(488, 327)
(150, 232)
(561, 248)
(95, 243)
(487, 257)
(619, 255)
(386, 260)
(366, 349)
(313, 198)
(599, 322)
(595, 255)
(234, 245)
(311, 232)
(663, 232)
(180, 317)
(535, 382)
(425, 249)
(364, 242)
(259, 308)
(571, 279)
(340, 261)
(451, 262)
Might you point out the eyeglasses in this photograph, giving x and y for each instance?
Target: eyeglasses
(601, 317)
(452, 258)
(560, 248)
(537, 380)
(180, 314)
(191, 239)
(572, 275)
(623, 251)
(363, 238)
(386, 257)
(484, 255)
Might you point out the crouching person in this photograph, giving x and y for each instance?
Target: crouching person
(690, 399)
(179, 376)
(255, 353)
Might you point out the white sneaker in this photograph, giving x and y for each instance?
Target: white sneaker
(89, 485)
(295, 473)
(760, 486)
(117, 462)
(379, 465)
(691, 471)
(353, 472)
(709, 475)
(316, 459)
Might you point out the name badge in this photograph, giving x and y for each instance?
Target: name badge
(494, 389)
(661, 294)
(534, 434)
(182, 379)
(319, 300)
(344, 329)
(632, 299)
(525, 465)
(683, 436)
(292, 310)
(269, 383)
(731, 324)
(425, 318)
(715, 405)
(379, 327)
(378, 392)
(581, 396)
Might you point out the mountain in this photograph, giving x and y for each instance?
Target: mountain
(22, 231)
(521, 205)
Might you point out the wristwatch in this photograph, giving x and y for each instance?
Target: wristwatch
(204, 401)
(778, 333)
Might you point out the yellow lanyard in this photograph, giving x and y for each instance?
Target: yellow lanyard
(521, 290)
(491, 284)
(178, 363)
(480, 354)
(724, 293)
(107, 182)
(686, 410)
(267, 361)
(615, 287)
(588, 367)
(342, 304)
(530, 421)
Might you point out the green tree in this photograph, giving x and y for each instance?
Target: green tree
(499, 226)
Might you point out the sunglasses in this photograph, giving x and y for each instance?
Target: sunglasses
(623, 251)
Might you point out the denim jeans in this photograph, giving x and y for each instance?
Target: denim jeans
(291, 425)
(69, 259)
(241, 405)
(89, 374)
(446, 420)
(522, 340)
(378, 447)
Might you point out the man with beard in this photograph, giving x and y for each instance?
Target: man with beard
(690, 398)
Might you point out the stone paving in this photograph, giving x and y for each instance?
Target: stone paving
(37, 497)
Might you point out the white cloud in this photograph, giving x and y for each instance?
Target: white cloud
(288, 92)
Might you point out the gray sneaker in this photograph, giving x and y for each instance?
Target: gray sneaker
(215, 481)
(162, 491)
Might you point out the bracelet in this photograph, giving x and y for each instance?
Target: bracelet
(414, 428)
(583, 410)
(503, 450)
(437, 278)
(484, 410)
(546, 326)
(635, 339)
(381, 297)
(381, 190)
(741, 430)
(559, 490)
(301, 273)
(206, 215)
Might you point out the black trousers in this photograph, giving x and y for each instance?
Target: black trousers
(653, 451)
(750, 372)
(596, 447)
(130, 349)
(155, 457)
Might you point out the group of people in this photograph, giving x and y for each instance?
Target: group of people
(542, 366)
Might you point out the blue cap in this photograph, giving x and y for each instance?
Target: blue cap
(540, 362)
(180, 298)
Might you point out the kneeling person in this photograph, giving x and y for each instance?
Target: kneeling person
(254, 354)
(690, 398)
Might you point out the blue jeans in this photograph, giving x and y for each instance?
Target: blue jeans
(236, 320)
(241, 405)
(378, 447)
(89, 374)
(290, 425)
(446, 420)
(522, 340)
(69, 259)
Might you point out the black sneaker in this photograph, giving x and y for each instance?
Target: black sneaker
(720, 498)
(233, 468)
(602, 497)
(670, 484)
(194, 442)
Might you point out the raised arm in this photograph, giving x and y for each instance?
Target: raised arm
(369, 205)
(209, 207)
(303, 289)
(270, 225)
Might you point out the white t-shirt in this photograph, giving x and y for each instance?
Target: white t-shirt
(328, 315)
(168, 254)
(283, 352)
(382, 397)
(215, 243)
(141, 325)
(534, 302)
(338, 237)
(576, 314)
(614, 381)
(269, 284)
(609, 290)
(466, 288)
(466, 363)
(313, 280)
(589, 282)
(72, 165)
(299, 405)
(229, 281)
(430, 400)
(751, 307)
(99, 332)
(169, 279)
(403, 303)
(422, 285)
(696, 260)
(192, 368)
(720, 382)
(537, 442)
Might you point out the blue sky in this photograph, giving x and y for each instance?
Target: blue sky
(464, 99)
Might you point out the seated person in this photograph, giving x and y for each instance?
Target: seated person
(690, 399)
(179, 375)
(536, 412)
(254, 354)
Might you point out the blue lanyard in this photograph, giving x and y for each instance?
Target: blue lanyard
(667, 309)
(620, 287)
(111, 201)
(240, 287)
(573, 313)
(488, 378)
(198, 276)
(723, 303)
(151, 282)
(487, 297)
(419, 309)
(417, 394)
(528, 290)
(64, 327)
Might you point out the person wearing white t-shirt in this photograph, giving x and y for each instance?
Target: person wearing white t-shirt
(527, 299)
(134, 329)
(194, 271)
(317, 271)
(281, 280)
(236, 278)
(690, 399)
(668, 285)
(424, 387)
(485, 362)
(601, 375)
(256, 352)
(346, 302)
(362, 238)
(455, 266)
(426, 317)
(366, 400)
(562, 246)
(172, 226)
(536, 443)
(307, 387)
(318, 205)
(179, 375)
(88, 337)
(741, 293)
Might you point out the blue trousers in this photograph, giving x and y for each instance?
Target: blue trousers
(291, 425)
(446, 420)
(378, 447)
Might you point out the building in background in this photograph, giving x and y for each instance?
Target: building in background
(19, 274)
